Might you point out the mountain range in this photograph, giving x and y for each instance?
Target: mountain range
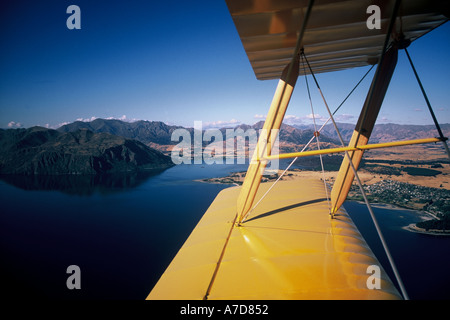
(157, 134)
(106, 146)
(143, 131)
(45, 151)
(385, 132)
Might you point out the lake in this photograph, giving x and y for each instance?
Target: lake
(123, 231)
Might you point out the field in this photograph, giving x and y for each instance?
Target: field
(425, 166)
(414, 177)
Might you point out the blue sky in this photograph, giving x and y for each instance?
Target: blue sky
(176, 62)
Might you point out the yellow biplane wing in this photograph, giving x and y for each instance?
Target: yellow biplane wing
(289, 248)
(294, 245)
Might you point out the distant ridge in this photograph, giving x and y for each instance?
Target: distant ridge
(385, 132)
(39, 150)
(390, 131)
(106, 146)
(144, 131)
(157, 134)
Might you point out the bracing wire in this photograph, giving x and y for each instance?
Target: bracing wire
(307, 145)
(436, 123)
(316, 134)
(369, 207)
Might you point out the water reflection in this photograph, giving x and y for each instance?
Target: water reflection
(81, 184)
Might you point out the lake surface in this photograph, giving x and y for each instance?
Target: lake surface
(123, 231)
(422, 260)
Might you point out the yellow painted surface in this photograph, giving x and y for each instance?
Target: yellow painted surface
(288, 248)
(351, 149)
(267, 138)
(346, 175)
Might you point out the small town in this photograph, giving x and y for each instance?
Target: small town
(432, 200)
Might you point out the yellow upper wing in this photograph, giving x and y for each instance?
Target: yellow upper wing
(336, 36)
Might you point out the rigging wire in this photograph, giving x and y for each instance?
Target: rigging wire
(369, 207)
(316, 134)
(436, 123)
(307, 145)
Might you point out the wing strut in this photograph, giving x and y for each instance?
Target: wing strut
(364, 114)
(297, 155)
(368, 116)
(369, 207)
(364, 127)
(272, 124)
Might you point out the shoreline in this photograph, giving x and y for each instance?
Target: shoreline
(236, 179)
(412, 227)
(383, 205)
(433, 232)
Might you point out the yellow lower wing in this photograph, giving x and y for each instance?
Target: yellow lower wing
(288, 248)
